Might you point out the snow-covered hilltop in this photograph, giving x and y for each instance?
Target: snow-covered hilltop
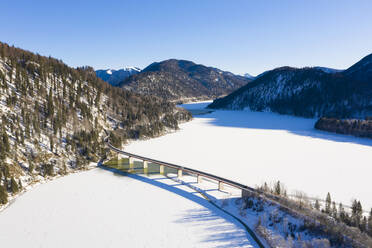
(114, 77)
(309, 92)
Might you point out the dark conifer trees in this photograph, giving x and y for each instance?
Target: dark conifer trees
(369, 227)
(317, 205)
(356, 213)
(277, 189)
(3, 195)
(48, 99)
(328, 204)
(13, 186)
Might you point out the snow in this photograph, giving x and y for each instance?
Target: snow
(97, 208)
(230, 200)
(132, 68)
(109, 71)
(257, 147)
(328, 70)
(247, 75)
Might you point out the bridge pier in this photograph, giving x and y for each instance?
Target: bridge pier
(179, 173)
(120, 156)
(131, 163)
(145, 167)
(119, 160)
(162, 169)
(220, 185)
(199, 178)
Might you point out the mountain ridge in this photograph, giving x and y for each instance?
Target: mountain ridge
(180, 80)
(308, 92)
(54, 118)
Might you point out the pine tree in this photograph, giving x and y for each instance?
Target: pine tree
(363, 225)
(50, 105)
(6, 141)
(30, 167)
(356, 213)
(3, 195)
(277, 189)
(369, 227)
(334, 210)
(51, 143)
(317, 205)
(342, 213)
(13, 186)
(328, 204)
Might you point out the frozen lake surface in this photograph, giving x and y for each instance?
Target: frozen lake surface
(99, 209)
(254, 147)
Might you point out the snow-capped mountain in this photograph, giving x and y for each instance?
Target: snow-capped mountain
(309, 92)
(114, 77)
(249, 76)
(181, 80)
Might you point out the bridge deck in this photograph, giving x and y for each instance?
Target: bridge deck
(185, 169)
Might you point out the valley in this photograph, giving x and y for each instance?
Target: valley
(236, 144)
(186, 124)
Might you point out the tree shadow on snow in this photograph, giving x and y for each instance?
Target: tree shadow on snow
(208, 215)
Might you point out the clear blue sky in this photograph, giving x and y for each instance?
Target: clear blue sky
(236, 35)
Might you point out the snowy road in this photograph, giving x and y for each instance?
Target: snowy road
(254, 147)
(100, 209)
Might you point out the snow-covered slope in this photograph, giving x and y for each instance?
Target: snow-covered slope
(53, 118)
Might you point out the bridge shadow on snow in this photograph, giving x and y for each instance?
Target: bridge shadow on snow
(273, 121)
(226, 234)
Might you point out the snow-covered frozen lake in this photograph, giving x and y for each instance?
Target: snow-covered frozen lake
(100, 209)
(254, 147)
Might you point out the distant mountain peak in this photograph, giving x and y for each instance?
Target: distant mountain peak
(114, 77)
(247, 75)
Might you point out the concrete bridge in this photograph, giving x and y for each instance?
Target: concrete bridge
(245, 190)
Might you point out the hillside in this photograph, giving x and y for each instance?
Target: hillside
(181, 80)
(308, 92)
(114, 77)
(53, 118)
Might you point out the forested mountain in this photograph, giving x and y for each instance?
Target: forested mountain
(53, 118)
(114, 77)
(309, 92)
(181, 80)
